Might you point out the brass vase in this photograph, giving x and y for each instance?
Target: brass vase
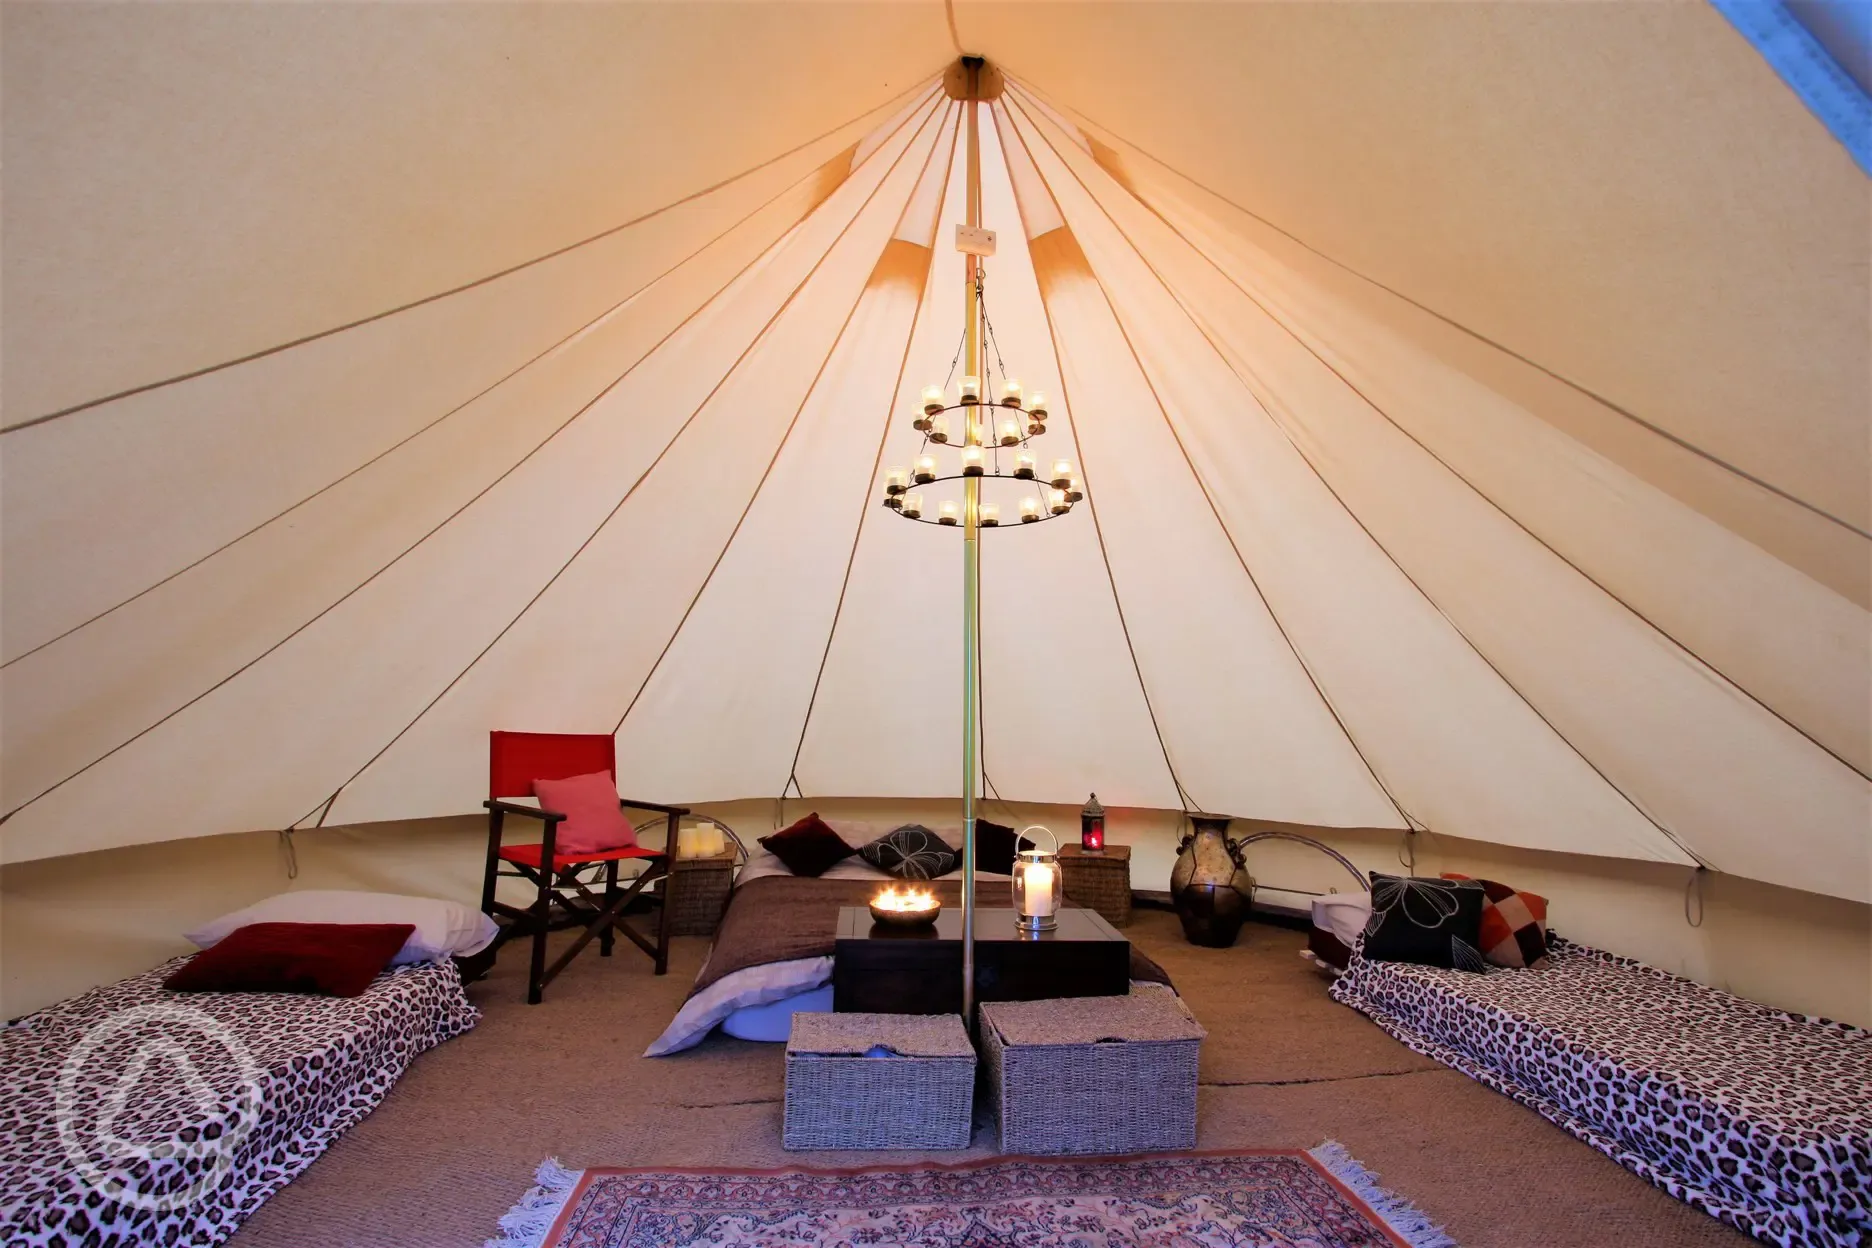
(1210, 884)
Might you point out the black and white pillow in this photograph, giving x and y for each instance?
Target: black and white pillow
(912, 852)
(1429, 922)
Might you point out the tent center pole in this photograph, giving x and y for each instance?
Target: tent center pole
(971, 567)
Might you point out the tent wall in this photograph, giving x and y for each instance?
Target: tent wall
(70, 923)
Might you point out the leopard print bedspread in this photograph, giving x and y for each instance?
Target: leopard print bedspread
(138, 1116)
(1758, 1117)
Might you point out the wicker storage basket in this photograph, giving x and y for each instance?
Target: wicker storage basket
(698, 893)
(1100, 880)
(1093, 1074)
(879, 1081)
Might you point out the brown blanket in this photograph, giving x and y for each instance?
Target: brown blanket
(778, 918)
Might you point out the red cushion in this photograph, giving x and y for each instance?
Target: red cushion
(809, 847)
(1514, 925)
(529, 856)
(331, 959)
(593, 822)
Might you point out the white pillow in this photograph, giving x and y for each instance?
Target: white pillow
(443, 928)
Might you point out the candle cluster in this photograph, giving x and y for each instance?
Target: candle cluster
(702, 841)
(909, 901)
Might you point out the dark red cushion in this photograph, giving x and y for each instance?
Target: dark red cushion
(809, 847)
(330, 959)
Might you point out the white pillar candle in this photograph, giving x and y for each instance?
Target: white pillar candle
(971, 389)
(1039, 889)
(939, 429)
(1010, 431)
(933, 400)
(1056, 501)
(991, 514)
(686, 842)
(1011, 392)
(1030, 508)
(972, 461)
(925, 469)
(913, 506)
(947, 513)
(714, 842)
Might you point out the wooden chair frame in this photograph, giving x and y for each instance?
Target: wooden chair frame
(600, 915)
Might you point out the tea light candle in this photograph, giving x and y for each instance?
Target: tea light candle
(1010, 432)
(925, 469)
(933, 400)
(1036, 405)
(896, 480)
(1056, 502)
(1062, 473)
(990, 515)
(972, 461)
(1011, 392)
(947, 513)
(939, 429)
(971, 389)
(1030, 509)
(1073, 492)
(913, 506)
(1024, 465)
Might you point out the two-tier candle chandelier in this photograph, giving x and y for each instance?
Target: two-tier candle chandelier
(984, 435)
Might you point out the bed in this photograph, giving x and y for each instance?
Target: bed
(191, 1109)
(773, 950)
(1758, 1117)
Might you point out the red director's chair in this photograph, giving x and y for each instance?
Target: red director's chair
(566, 899)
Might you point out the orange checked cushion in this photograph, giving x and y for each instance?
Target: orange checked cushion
(1514, 925)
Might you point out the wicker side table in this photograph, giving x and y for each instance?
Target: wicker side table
(1101, 880)
(879, 1081)
(698, 893)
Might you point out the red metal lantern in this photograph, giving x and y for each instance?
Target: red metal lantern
(1092, 827)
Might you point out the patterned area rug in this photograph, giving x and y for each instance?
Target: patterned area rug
(1256, 1199)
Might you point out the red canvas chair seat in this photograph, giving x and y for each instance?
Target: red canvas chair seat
(565, 895)
(529, 856)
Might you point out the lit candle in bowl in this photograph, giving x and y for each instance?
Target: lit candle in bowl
(1030, 509)
(925, 469)
(947, 513)
(1010, 432)
(972, 461)
(990, 515)
(1024, 465)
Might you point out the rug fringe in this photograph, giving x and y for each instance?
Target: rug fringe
(1410, 1222)
(526, 1224)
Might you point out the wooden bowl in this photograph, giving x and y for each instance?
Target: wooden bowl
(905, 918)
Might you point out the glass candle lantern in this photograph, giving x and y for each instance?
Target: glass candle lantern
(933, 400)
(1024, 465)
(947, 512)
(939, 429)
(990, 514)
(1037, 405)
(1056, 502)
(1092, 826)
(972, 461)
(1011, 393)
(971, 389)
(925, 469)
(1030, 509)
(896, 480)
(1038, 890)
(1010, 432)
(913, 506)
(1062, 474)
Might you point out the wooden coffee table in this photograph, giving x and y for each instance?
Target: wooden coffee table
(885, 970)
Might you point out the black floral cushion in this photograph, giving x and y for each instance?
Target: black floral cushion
(912, 852)
(1429, 922)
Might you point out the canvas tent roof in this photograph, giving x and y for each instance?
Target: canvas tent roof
(1479, 445)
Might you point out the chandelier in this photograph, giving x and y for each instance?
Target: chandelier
(991, 441)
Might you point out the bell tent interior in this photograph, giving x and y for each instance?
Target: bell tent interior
(1457, 462)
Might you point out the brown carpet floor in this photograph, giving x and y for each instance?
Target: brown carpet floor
(456, 1143)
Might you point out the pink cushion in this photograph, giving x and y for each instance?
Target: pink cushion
(593, 821)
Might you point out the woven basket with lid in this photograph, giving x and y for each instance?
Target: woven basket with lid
(879, 1081)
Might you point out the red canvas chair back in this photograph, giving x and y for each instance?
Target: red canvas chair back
(517, 759)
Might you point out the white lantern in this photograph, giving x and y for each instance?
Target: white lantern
(1037, 887)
